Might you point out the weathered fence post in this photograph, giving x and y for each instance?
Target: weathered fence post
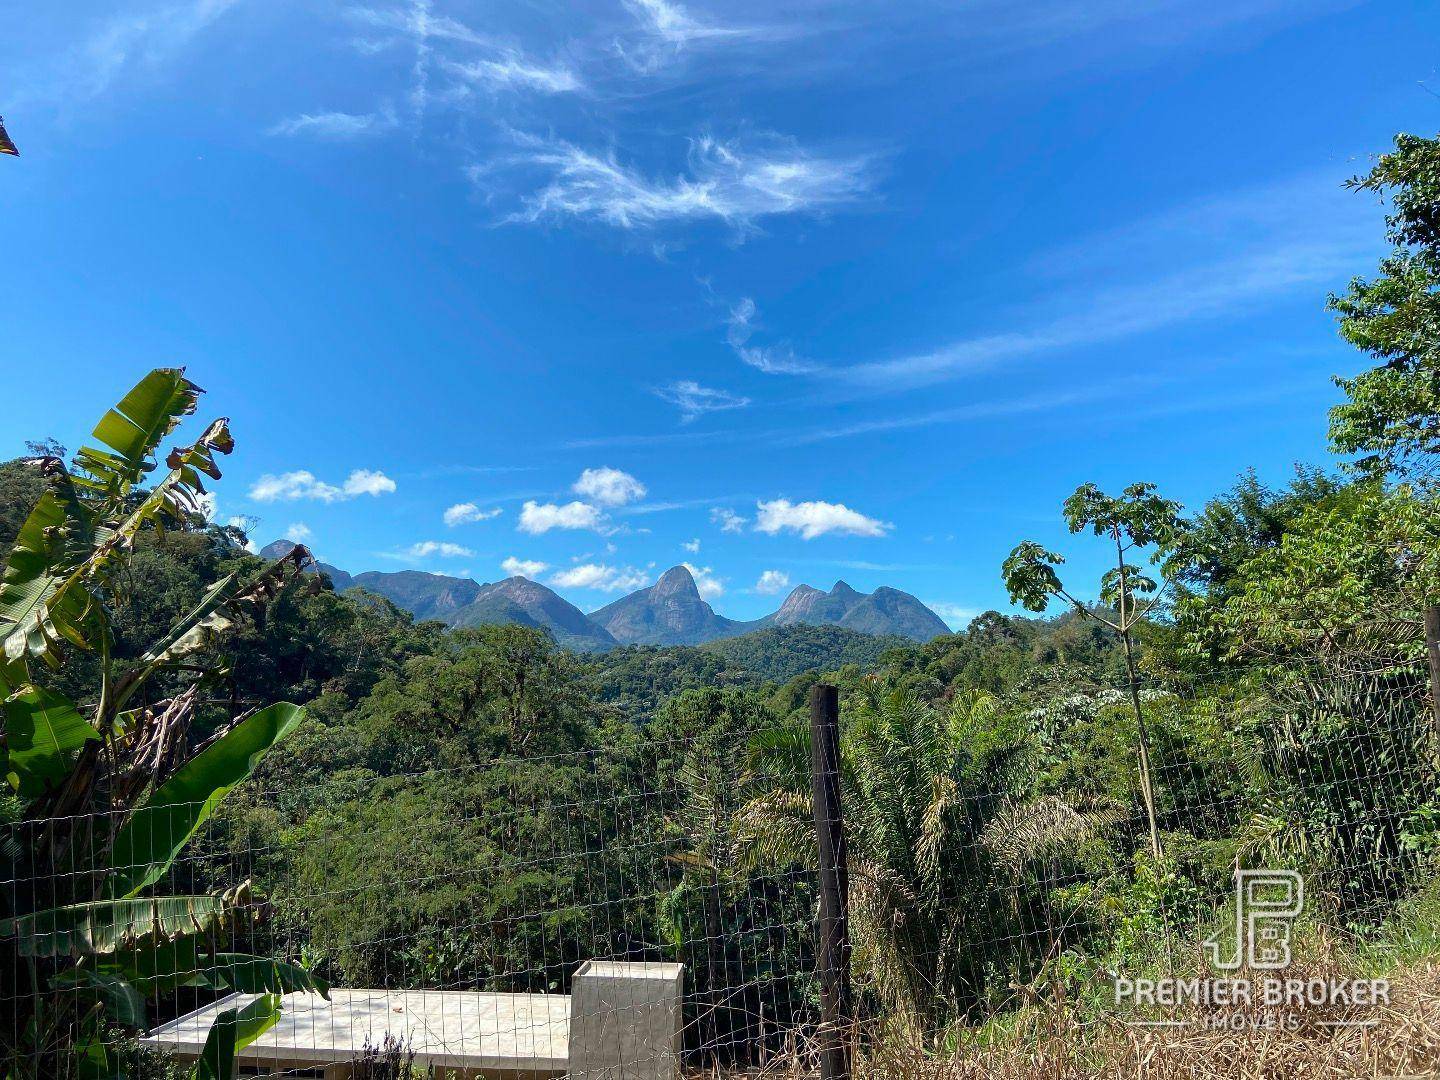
(833, 956)
(1432, 653)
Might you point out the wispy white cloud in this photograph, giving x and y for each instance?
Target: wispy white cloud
(448, 60)
(602, 577)
(815, 518)
(1223, 256)
(336, 125)
(771, 359)
(537, 518)
(468, 512)
(136, 43)
(608, 487)
(303, 484)
(298, 532)
(692, 546)
(512, 71)
(694, 400)
(530, 568)
(772, 582)
(444, 548)
(728, 520)
(730, 182)
(673, 23)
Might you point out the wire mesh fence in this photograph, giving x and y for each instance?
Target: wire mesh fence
(659, 906)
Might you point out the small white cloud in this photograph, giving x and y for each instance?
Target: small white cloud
(303, 484)
(602, 577)
(772, 582)
(467, 512)
(298, 532)
(955, 615)
(530, 568)
(290, 486)
(367, 482)
(812, 519)
(425, 548)
(694, 400)
(609, 487)
(706, 581)
(335, 125)
(728, 520)
(692, 546)
(537, 518)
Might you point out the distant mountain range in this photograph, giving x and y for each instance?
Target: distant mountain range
(670, 612)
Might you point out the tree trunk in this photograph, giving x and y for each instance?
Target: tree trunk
(1147, 789)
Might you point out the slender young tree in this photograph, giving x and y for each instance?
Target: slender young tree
(1135, 520)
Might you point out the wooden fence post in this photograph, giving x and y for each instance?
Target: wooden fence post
(1432, 653)
(833, 956)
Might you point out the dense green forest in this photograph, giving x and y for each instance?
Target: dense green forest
(1032, 802)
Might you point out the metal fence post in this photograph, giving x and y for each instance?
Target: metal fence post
(833, 956)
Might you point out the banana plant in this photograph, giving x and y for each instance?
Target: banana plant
(124, 761)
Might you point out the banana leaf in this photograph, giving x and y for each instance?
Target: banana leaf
(233, 1030)
(149, 842)
(43, 730)
(100, 927)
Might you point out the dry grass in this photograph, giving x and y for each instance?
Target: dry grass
(1055, 1039)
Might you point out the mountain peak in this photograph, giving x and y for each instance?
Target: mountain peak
(277, 549)
(670, 612)
(677, 581)
(886, 611)
(517, 599)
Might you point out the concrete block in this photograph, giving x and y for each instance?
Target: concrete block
(625, 1020)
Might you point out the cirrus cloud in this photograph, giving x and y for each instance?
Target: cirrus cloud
(694, 400)
(731, 182)
(336, 125)
(815, 518)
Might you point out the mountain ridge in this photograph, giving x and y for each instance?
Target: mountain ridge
(669, 612)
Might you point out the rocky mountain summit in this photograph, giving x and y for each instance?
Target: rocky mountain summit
(670, 612)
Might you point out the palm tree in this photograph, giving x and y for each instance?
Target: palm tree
(919, 785)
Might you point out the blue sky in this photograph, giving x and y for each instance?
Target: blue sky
(789, 292)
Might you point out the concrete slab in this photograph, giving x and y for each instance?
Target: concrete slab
(501, 1033)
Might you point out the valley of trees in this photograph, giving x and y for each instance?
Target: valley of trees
(1033, 803)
